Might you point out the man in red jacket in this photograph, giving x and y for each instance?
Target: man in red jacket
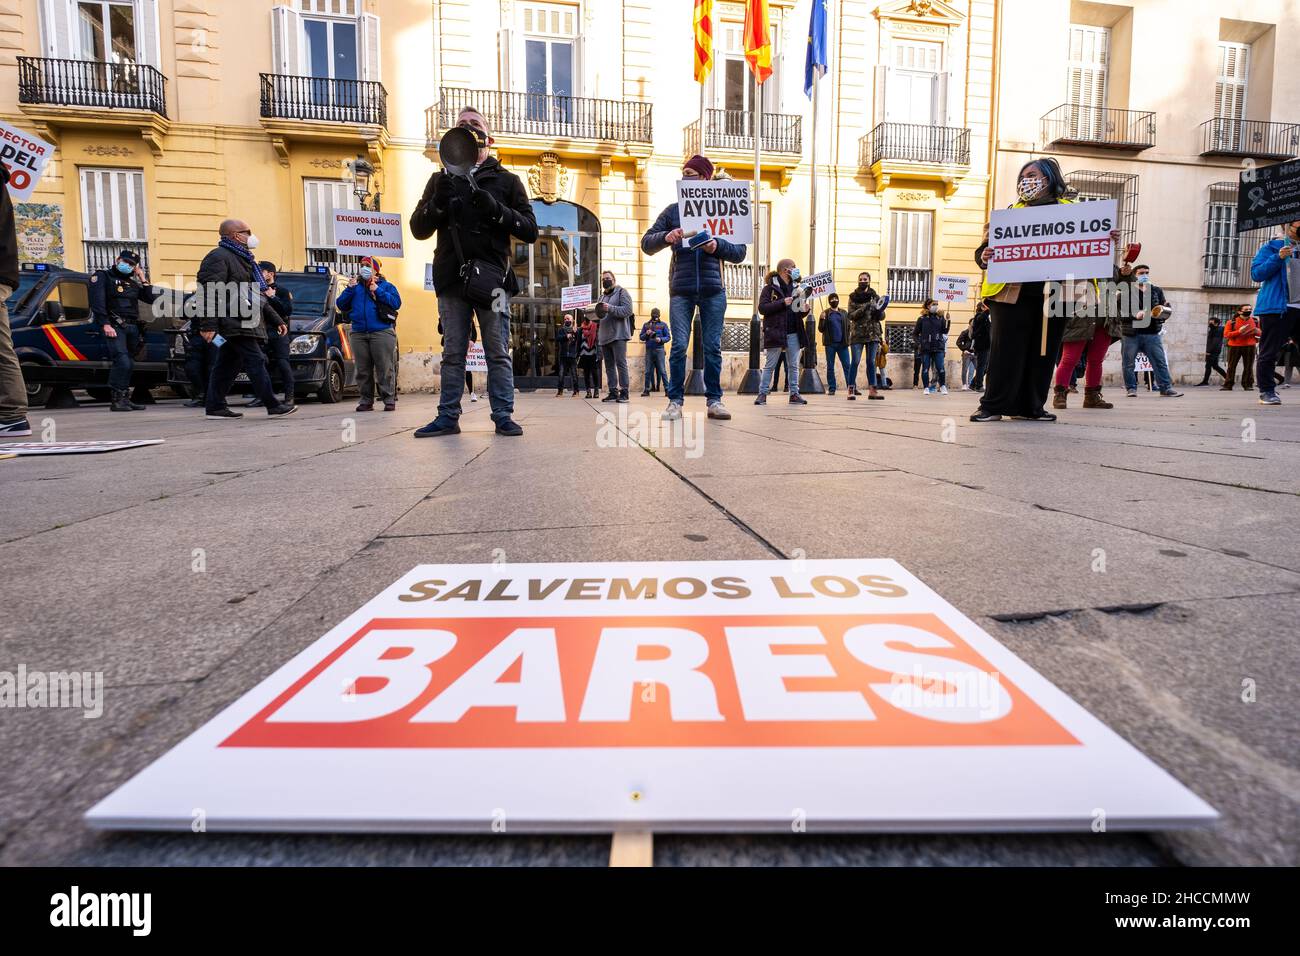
(1242, 335)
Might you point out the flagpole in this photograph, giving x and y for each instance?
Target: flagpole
(750, 383)
(812, 218)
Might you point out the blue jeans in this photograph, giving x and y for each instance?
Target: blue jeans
(933, 360)
(1154, 348)
(455, 313)
(842, 353)
(681, 308)
(656, 369)
(791, 352)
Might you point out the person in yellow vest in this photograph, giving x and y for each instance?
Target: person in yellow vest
(1019, 369)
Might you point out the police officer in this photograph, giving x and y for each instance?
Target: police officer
(277, 334)
(115, 297)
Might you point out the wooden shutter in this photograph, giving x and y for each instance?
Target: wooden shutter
(939, 99)
(112, 205)
(286, 41)
(1087, 80)
(368, 47)
(505, 53)
(882, 87)
(321, 198)
(1230, 90)
(56, 28)
(148, 41)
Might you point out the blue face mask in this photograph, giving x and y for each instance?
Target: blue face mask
(1143, 280)
(125, 268)
(366, 272)
(795, 275)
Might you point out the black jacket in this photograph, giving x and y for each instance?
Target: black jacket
(282, 303)
(779, 319)
(1214, 340)
(824, 327)
(115, 298)
(223, 278)
(8, 234)
(566, 341)
(982, 332)
(484, 221)
(1143, 299)
(929, 332)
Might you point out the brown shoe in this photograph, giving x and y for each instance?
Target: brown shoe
(1226, 388)
(1059, 395)
(1092, 399)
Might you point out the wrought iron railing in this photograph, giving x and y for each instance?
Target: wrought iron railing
(319, 98)
(1223, 270)
(102, 253)
(734, 130)
(128, 86)
(542, 114)
(1239, 137)
(909, 285)
(1096, 126)
(915, 143)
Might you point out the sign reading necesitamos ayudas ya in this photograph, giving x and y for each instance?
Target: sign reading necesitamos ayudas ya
(1038, 243)
(675, 695)
(721, 206)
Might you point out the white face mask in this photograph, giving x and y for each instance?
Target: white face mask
(253, 241)
(1029, 189)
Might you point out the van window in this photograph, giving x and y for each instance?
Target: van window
(73, 297)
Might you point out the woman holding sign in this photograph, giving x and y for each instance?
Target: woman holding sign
(1021, 357)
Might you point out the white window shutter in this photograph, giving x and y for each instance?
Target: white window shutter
(505, 55)
(580, 79)
(286, 40)
(148, 41)
(368, 47)
(56, 29)
(882, 100)
(939, 99)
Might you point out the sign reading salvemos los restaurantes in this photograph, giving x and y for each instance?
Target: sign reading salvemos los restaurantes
(735, 695)
(721, 207)
(1040, 243)
(358, 233)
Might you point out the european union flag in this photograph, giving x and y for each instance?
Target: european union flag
(815, 64)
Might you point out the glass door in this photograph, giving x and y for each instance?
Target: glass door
(331, 47)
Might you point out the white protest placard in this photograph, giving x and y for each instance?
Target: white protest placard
(951, 288)
(1141, 363)
(575, 297)
(475, 358)
(819, 284)
(25, 155)
(1039, 243)
(721, 206)
(707, 695)
(358, 233)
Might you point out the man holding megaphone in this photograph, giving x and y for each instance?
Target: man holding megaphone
(475, 206)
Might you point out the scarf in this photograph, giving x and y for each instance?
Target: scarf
(247, 255)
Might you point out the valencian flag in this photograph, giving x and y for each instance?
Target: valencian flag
(758, 39)
(815, 65)
(703, 39)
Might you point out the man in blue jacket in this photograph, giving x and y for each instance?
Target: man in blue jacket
(695, 281)
(655, 335)
(372, 302)
(1277, 321)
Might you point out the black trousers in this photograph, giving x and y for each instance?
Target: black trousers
(981, 368)
(568, 367)
(198, 363)
(277, 353)
(1212, 365)
(121, 352)
(1020, 374)
(237, 351)
(1274, 330)
(590, 368)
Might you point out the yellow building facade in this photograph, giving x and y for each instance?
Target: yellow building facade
(172, 115)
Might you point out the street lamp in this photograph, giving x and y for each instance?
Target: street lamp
(362, 172)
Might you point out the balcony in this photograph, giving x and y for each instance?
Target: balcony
(95, 94)
(1236, 137)
(102, 253)
(575, 126)
(916, 151)
(321, 110)
(729, 138)
(1074, 125)
(738, 280)
(909, 285)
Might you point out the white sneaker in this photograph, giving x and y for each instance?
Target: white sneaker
(673, 413)
(473, 397)
(928, 391)
(943, 389)
(719, 411)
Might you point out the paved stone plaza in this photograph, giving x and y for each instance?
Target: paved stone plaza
(1146, 560)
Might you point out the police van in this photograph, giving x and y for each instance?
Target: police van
(60, 344)
(319, 348)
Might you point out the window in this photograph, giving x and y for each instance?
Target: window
(325, 40)
(915, 90)
(1089, 57)
(550, 54)
(320, 198)
(106, 30)
(71, 298)
(733, 82)
(1089, 184)
(331, 48)
(1230, 95)
(112, 215)
(910, 240)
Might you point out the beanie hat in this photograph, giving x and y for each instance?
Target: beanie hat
(701, 165)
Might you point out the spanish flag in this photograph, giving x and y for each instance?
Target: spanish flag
(758, 39)
(703, 39)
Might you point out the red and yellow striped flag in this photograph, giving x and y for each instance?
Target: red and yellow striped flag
(703, 39)
(758, 39)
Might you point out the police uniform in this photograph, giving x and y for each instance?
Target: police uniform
(115, 301)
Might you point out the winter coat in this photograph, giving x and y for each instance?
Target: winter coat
(982, 331)
(221, 273)
(693, 272)
(566, 341)
(824, 326)
(616, 323)
(655, 335)
(929, 332)
(1241, 331)
(1214, 340)
(9, 272)
(1269, 269)
(865, 317)
(367, 312)
(779, 319)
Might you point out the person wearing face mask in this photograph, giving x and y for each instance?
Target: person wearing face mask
(589, 356)
(1213, 347)
(1019, 369)
(566, 350)
(235, 315)
(372, 304)
(695, 282)
(866, 333)
(783, 308)
(477, 223)
(614, 309)
(654, 334)
(930, 333)
(833, 324)
(1242, 335)
(277, 334)
(1278, 321)
(1141, 322)
(981, 335)
(115, 297)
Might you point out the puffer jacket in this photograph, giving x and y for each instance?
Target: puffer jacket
(222, 277)
(779, 319)
(1269, 269)
(693, 272)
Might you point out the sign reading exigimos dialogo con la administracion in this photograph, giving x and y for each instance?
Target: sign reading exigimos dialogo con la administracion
(840, 694)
